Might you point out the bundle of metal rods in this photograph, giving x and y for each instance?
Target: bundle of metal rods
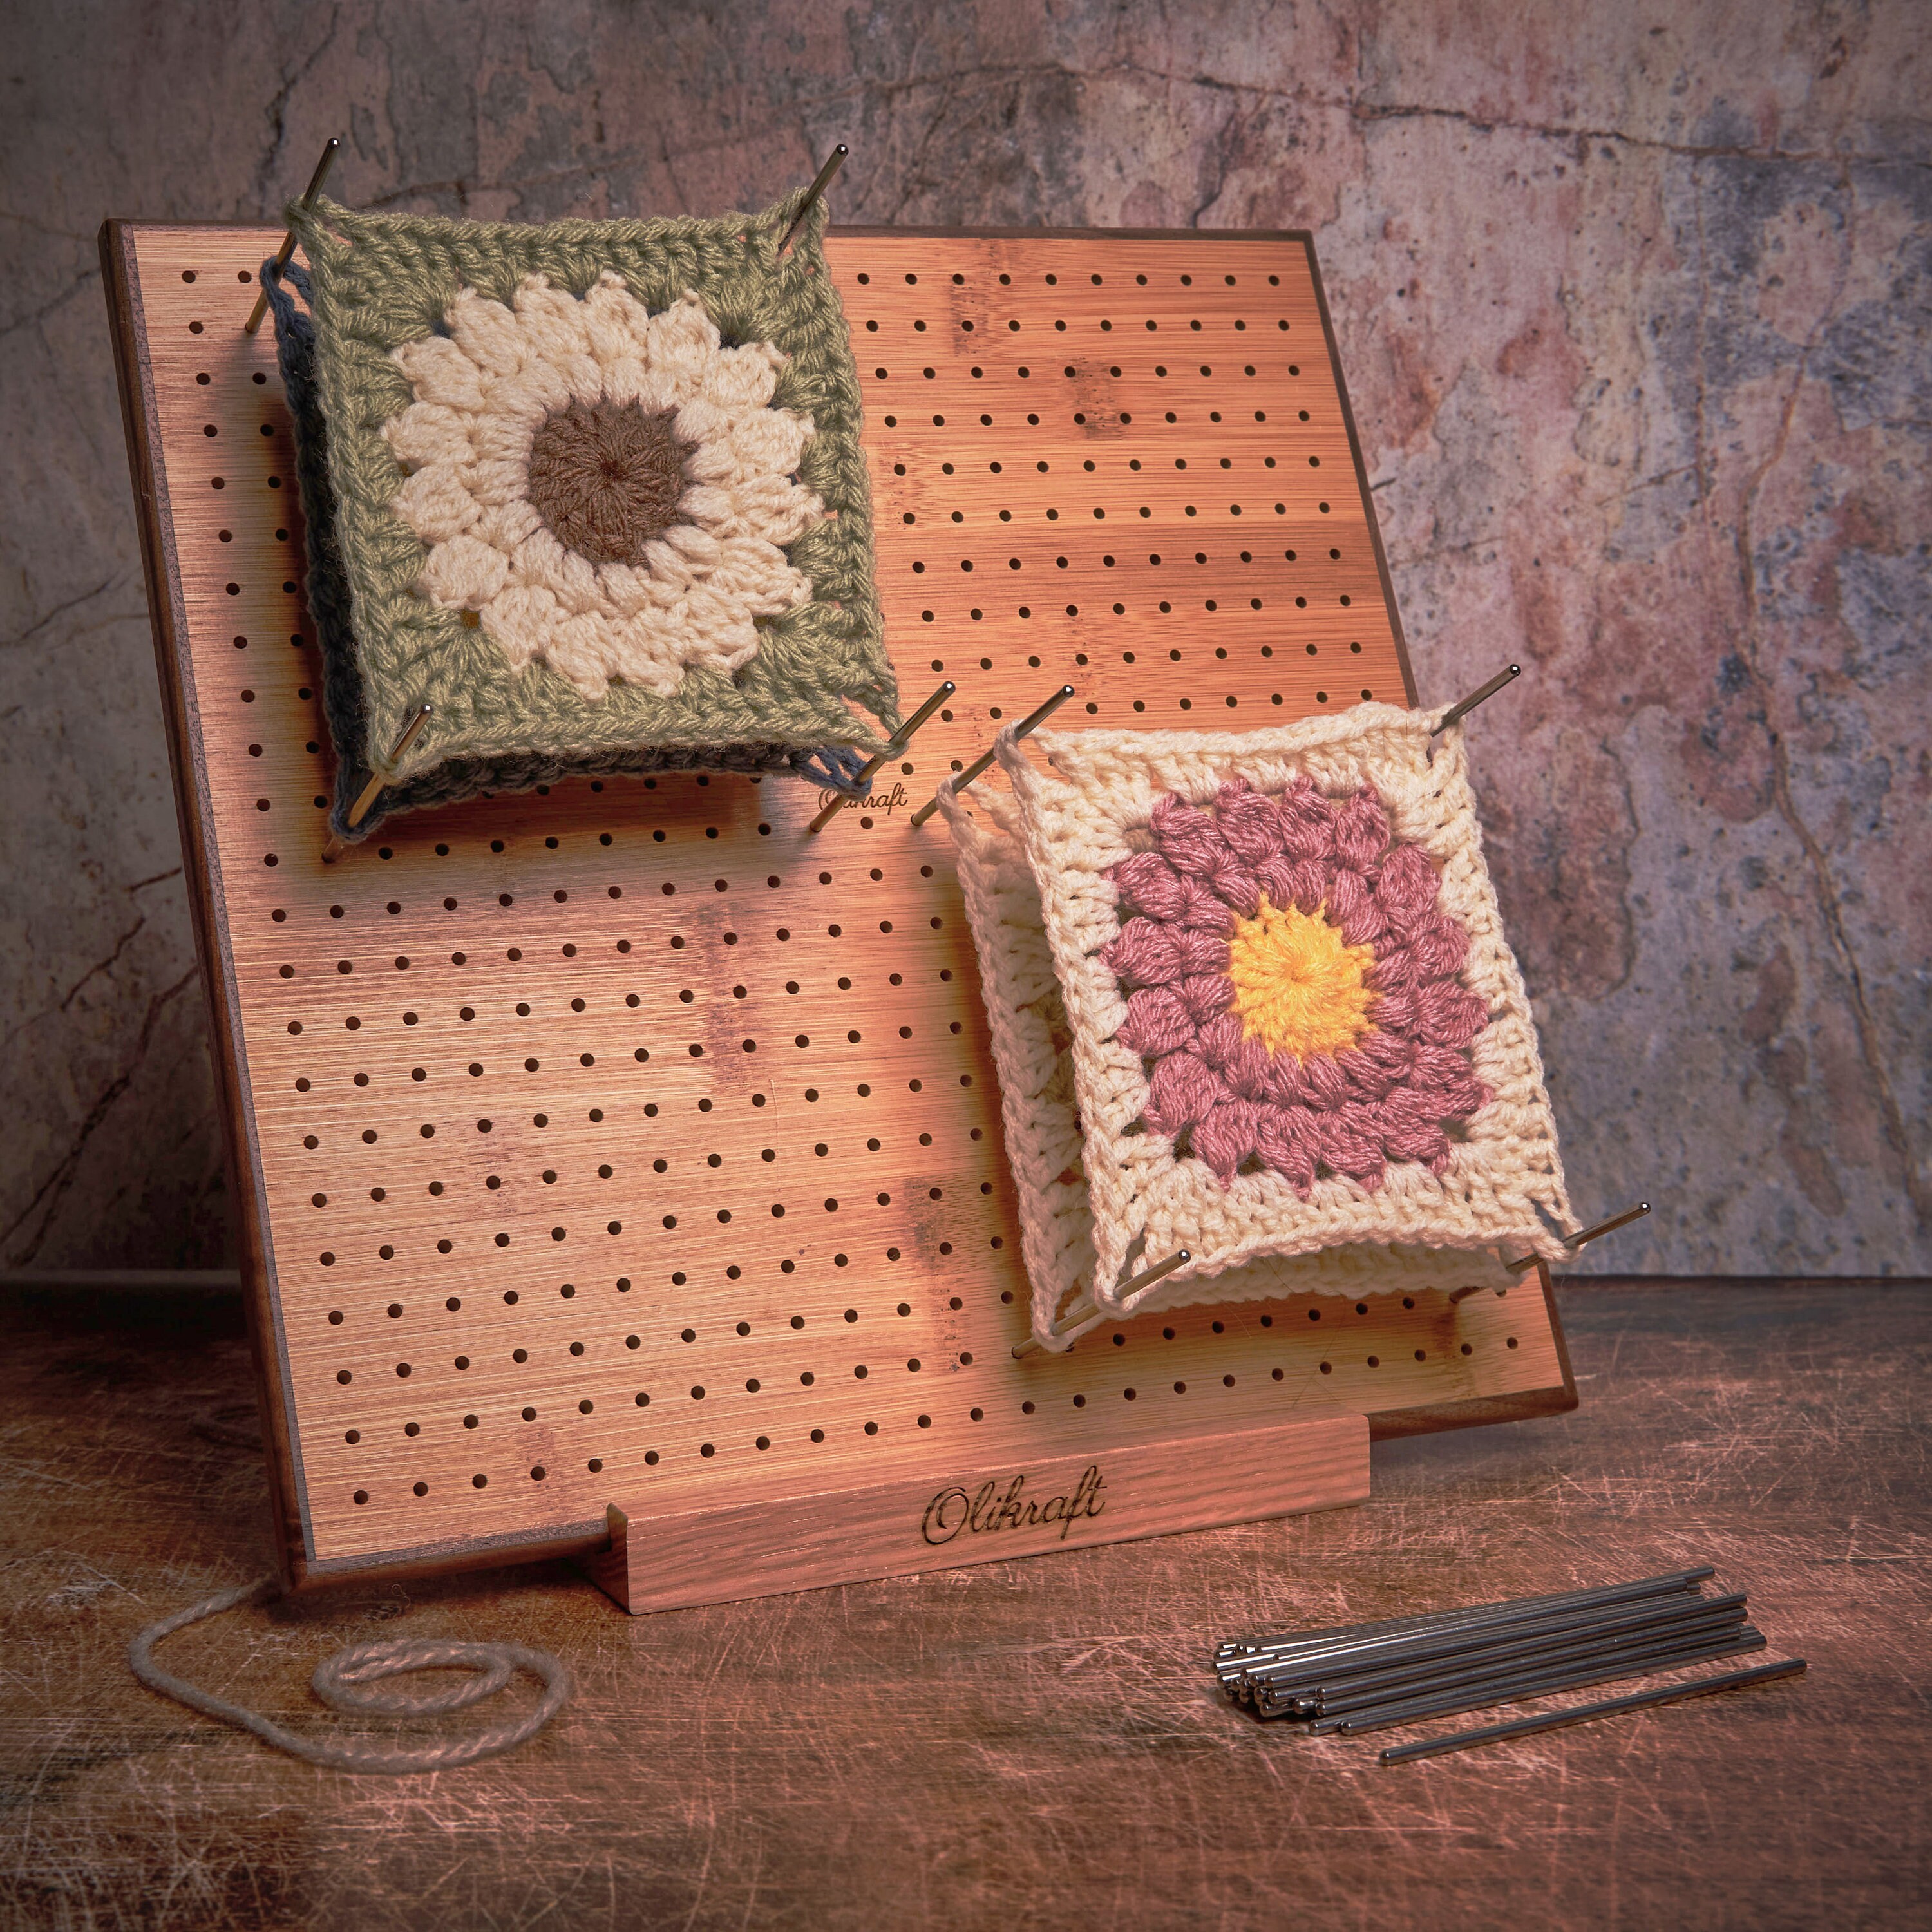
(1368, 1675)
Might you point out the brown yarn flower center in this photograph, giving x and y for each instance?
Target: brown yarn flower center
(607, 477)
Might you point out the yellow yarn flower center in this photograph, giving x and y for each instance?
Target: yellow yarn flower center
(1298, 989)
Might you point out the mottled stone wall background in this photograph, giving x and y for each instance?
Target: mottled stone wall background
(1635, 307)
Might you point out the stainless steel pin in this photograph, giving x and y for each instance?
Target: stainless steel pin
(833, 162)
(1573, 1242)
(900, 738)
(1456, 712)
(985, 758)
(1079, 1309)
(1158, 1272)
(386, 773)
(288, 247)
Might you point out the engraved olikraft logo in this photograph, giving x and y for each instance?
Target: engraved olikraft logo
(989, 1508)
(887, 802)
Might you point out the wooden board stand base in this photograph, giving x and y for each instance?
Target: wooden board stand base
(935, 1518)
(634, 1143)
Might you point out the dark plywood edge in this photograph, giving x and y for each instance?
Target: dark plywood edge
(167, 615)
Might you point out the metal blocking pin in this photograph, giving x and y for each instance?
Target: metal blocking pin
(1457, 712)
(1082, 1307)
(833, 162)
(379, 776)
(1573, 1242)
(288, 247)
(985, 758)
(900, 738)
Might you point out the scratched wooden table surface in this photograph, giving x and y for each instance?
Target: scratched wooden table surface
(1032, 1743)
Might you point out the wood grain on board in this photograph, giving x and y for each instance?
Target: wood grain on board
(978, 1514)
(628, 1143)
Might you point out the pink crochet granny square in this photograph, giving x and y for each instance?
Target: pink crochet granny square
(1293, 1022)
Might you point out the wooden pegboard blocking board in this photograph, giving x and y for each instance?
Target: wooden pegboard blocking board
(628, 1144)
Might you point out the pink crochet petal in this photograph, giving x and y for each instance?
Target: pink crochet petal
(1201, 910)
(1190, 840)
(1207, 996)
(1200, 952)
(1438, 1068)
(1147, 883)
(1406, 886)
(1351, 905)
(1410, 1131)
(1282, 1083)
(1245, 1070)
(1351, 1144)
(1181, 1091)
(1441, 945)
(1157, 1022)
(1307, 822)
(1237, 885)
(1323, 1082)
(1276, 877)
(1284, 1139)
(1448, 1016)
(1226, 1138)
(1308, 884)
(1361, 830)
(1396, 970)
(1250, 822)
(1383, 1060)
(1220, 1038)
(1145, 954)
(1396, 1010)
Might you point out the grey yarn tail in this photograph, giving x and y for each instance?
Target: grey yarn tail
(345, 1682)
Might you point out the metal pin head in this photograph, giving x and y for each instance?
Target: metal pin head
(1458, 711)
(1026, 724)
(821, 181)
(330, 148)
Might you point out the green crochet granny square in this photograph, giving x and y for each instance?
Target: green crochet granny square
(592, 492)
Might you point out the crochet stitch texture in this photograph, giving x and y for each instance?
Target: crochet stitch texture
(740, 635)
(1372, 1096)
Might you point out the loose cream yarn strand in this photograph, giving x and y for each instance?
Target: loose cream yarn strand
(349, 1681)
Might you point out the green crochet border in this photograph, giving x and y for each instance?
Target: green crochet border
(381, 280)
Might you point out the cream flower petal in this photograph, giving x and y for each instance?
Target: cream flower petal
(579, 649)
(518, 620)
(744, 380)
(699, 548)
(555, 327)
(435, 503)
(614, 320)
(700, 420)
(505, 438)
(507, 525)
(708, 509)
(627, 380)
(767, 444)
(571, 579)
(439, 372)
(463, 573)
(779, 511)
(487, 332)
(758, 575)
(429, 433)
(492, 483)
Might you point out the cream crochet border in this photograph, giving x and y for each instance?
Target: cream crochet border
(1101, 1205)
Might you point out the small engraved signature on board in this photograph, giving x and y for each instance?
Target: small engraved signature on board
(981, 1512)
